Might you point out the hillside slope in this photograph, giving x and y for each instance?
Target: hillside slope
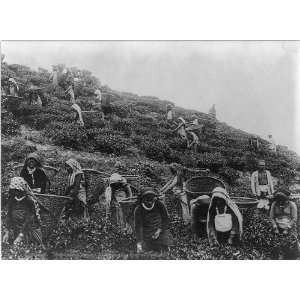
(137, 127)
(135, 140)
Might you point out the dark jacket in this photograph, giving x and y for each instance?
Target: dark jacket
(37, 180)
(148, 221)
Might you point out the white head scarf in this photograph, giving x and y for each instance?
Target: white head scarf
(76, 167)
(222, 193)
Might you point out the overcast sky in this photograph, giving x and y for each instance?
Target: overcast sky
(253, 84)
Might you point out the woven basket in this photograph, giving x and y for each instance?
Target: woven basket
(50, 172)
(244, 202)
(202, 185)
(96, 181)
(51, 210)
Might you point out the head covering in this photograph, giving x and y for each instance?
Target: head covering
(76, 167)
(12, 80)
(97, 92)
(117, 178)
(19, 183)
(34, 156)
(220, 192)
(281, 194)
(182, 120)
(144, 192)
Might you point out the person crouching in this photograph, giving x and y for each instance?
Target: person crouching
(23, 222)
(224, 220)
(151, 223)
(283, 215)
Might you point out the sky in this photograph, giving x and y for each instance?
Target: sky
(254, 85)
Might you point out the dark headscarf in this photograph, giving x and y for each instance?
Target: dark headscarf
(34, 156)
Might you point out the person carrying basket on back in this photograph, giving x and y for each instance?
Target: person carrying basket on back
(177, 185)
(77, 189)
(23, 221)
(117, 190)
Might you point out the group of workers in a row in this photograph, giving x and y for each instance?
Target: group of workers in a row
(149, 220)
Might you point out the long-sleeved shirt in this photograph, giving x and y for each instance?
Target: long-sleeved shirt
(289, 211)
(256, 182)
(37, 180)
(148, 221)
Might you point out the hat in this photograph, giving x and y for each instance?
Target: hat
(280, 196)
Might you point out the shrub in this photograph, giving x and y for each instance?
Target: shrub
(70, 136)
(93, 120)
(156, 149)
(111, 143)
(213, 161)
(123, 125)
(230, 175)
(177, 143)
(120, 110)
(9, 126)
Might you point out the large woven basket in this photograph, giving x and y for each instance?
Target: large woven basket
(51, 207)
(202, 185)
(96, 184)
(244, 202)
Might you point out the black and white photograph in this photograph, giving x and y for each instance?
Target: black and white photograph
(150, 150)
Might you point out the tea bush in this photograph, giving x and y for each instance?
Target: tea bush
(111, 143)
(9, 126)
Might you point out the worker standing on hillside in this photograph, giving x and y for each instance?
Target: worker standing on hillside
(170, 113)
(262, 185)
(180, 129)
(195, 120)
(254, 144)
(79, 117)
(69, 82)
(194, 142)
(272, 144)
(99, 101)
(54, 77)
(106, 105)
(13, 87)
